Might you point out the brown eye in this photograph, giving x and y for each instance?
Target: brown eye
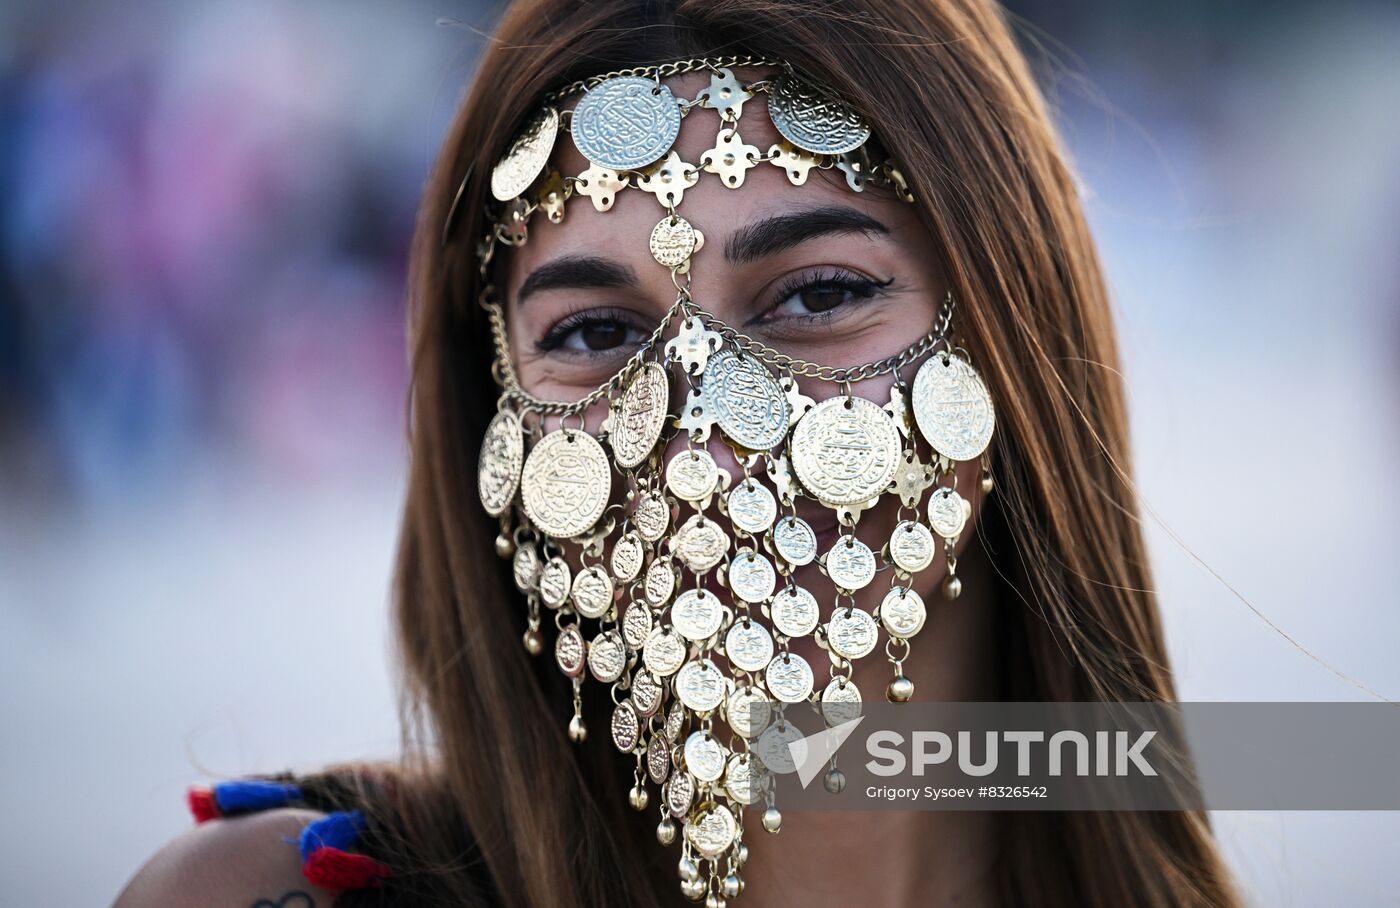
(603, 335)
(823, 299)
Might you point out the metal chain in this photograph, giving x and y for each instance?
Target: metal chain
(661, 71)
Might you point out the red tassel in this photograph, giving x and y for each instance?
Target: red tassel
(333, 868)
(202, 803)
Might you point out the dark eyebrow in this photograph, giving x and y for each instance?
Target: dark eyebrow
(784, 231)
(576, 271)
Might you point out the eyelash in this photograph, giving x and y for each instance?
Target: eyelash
(859, 286)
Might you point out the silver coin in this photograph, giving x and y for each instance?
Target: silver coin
(498, 468)
(555, 582)
(526, 158)
(626, 122)
(952, 407)
(813, 119)
(659, 583)
(745, 400)
(566, 483)
(700, 544)
(627, 556)
(751, 576)
(569, 651)
(704, 756)
(840, 701)
(697, 615)
(592, 592)
(911, 546)
(664, 652)
(692, 475)
(948, 512)
(788, 678)
(747, 711)
(625, 727)
(711, 831)
(795, 611)
(641, 415)
(743, 779)
(647, 693)
(852, 633)
(658, 759)
(845, 450)
(651, 516)
(748, 645)
(795, 540)
(675, 722)
(680, 791)
(607, 656)
(636, 625)
(850, 564)
(902, 612)
(525, 568)
(700, 685)
(774, 747)
(673, 240)
(752, 508)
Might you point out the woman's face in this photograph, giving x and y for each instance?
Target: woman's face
(817, 271)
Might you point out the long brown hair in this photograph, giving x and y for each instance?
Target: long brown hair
(493, 803)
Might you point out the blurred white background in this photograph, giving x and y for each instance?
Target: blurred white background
(204, 210)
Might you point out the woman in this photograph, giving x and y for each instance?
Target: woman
(798, 235)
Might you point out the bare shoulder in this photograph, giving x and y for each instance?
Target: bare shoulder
(242, 862)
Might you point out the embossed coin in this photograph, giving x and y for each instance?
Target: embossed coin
(700, 544)
(555, 582)
(845, 450)
(948, 512)
(911, 546)
(711, 831)
(675, 721)
(498, 470)
(680, 791)
(651, 516)
(664, 652)
(795, 612)
(789, 678)
(852, 633)
(672, 241)
(748, 711)
(953, 408)
(743, 778)
(902, 612)
(592, 592)
(700, 685)
(607, 656)
(850, 564)
(568, 650)
(840, 701)
(646, 693)
(795, 540)
(745, 400)
(704, 756)
(626, 122)
(659, 583)
(525, 568)
(751, 576)
(773, 747)
(658, 759)
(565, 483)
(526, 157)
(813, 119)
(697, 615)
(625, 727)
(641, 416)
(627, 556)
(752, 508)
(636, 625)
(748, 645)
(692, 475)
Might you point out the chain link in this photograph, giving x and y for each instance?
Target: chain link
(662, 71)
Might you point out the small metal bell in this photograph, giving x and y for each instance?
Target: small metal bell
(578, 730)
(693, 889)
(901, 689)
(534, 642)
(952, 587)
(666, 831)
(638, 797)
(773, 820)
(505, 546)
(834, 781)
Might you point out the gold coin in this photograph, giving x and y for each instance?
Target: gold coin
(672, 241)
(711, 831)
(566, 483)
(953, 408)
(498, 470)
(641, 416)
(526, 157)
(745, 400)
(845, 450)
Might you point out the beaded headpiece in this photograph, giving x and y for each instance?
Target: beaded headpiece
(675, 584)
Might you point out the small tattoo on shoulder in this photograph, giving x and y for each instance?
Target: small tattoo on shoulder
(295, 898)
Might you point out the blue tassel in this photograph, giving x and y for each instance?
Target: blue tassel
(250, 795)
(334, 830)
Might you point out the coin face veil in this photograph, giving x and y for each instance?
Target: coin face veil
(677, 585)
